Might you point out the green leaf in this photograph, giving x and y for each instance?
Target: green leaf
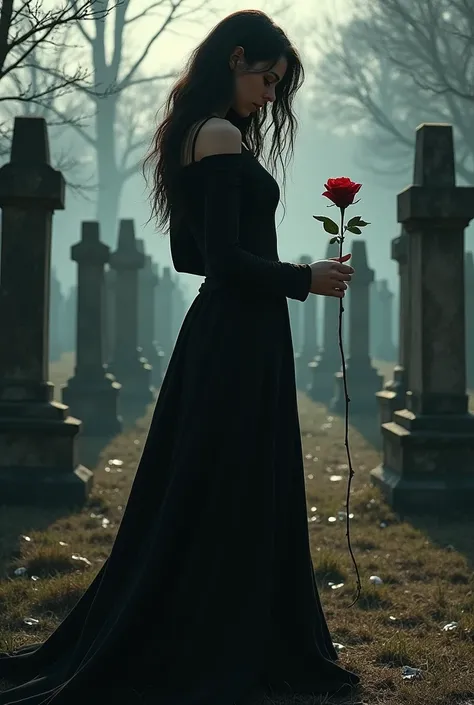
(354, 221)
(333, 240)
(356, 231)
(361, 223)
(329, 225)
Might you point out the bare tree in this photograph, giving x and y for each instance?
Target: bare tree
(117, 90)
(395, 64)
(27, 26)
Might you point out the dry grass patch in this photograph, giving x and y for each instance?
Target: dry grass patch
(425, 565)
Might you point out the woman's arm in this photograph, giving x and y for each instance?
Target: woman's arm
(219, 147)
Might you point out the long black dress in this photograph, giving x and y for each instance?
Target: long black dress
(208, 594)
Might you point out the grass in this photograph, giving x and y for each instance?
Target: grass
(426, 566)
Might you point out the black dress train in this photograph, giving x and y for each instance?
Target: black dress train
(208, 593)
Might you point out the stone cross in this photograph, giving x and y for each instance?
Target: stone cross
(392, 396)
(92, 393)
(329, 360)
(363, 379)
(129, 368)
(428, 459)
(147, 282)
(38, 451)
(469, 269)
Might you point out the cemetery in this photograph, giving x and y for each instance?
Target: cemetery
(79, 375)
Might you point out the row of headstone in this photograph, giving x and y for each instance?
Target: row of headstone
(427, 430)
(322, 360)
(39, 458)
(306, 329)
(319, 373)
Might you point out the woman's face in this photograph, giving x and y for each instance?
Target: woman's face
(254, 90)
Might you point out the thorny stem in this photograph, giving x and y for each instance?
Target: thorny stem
(346, 420)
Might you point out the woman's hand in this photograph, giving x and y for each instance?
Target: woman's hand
(329, 276)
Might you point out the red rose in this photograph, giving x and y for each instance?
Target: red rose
(341, 191)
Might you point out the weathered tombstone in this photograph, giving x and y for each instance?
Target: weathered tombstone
(469, 271)
(392, 396)
(38, 452)
(385, 349)
(329, 360)
(55, 312)
(147, 282)
(428, 459)
(129, 368)
(164, 305)
(363, 379)
(109, 317)
(92, 393)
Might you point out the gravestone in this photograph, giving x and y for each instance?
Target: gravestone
(310, 348)
(392, 396)
(38, 450)
(362, 378)
(128, 366)
(385, 349)
(56, 314)
(92, 393)
(328, 361)
(147, 283)
(428, 447)
(109, 317)
(469, 265)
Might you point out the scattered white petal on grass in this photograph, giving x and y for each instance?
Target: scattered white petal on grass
(375, 580)
(63, 543)
(115, 461)
(450, 626)
(409, 673)
(332, 519)
(31, 621)
(26, 538)
(75, 557)
(335, 478)
(310, 477)
(20, 571)
(338, 646)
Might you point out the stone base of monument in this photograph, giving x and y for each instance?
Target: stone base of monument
(428, 463)
(392, 397)
(38, 456)
(362, 388)
(136, 392)
(322, 381)
(94, 400)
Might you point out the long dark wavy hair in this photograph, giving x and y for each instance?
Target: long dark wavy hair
(207, 83)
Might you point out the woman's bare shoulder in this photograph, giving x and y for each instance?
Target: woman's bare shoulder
(218, 136)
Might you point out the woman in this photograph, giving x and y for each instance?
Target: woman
(208, 595)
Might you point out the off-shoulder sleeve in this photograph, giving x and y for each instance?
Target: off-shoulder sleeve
(225, 260)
